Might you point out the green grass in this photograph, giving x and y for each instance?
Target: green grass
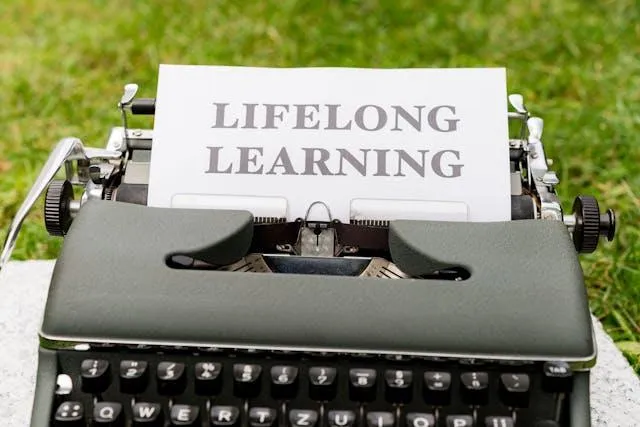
(63, 64)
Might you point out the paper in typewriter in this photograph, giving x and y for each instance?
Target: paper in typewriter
(371, 144)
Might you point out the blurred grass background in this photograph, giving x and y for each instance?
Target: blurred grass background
(63, 65)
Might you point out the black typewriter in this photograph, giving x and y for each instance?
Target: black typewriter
(177, 317)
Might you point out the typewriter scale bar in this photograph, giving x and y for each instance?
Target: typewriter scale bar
(228, 389)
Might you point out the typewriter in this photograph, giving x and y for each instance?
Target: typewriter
(177, 317)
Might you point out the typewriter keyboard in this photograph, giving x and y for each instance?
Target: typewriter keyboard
(139, 388)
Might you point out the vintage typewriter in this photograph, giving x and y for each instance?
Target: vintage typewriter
(178, 317)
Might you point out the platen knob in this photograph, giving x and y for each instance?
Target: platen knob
(57, 211)
(590, 225)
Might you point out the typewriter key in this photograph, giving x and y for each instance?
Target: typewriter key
(262, 417)
(171, 378)
(95, 375)
(303, 418)
(475, 387)
(284, 381)
(399, 384)
(224, 416)
(70, 414)
(498, 422)
(437, 387)
(147, 415)
(341, 418)
(558, 377)
(459, 421)
(380, 419)
(514, 389)
(208, 378)
(362, 385)
(322, 383)
(185, 415)
(419, 419)
(133, 376)
(108, 414)
(246, 379)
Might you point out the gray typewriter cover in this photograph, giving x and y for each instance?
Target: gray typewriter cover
(525, 297)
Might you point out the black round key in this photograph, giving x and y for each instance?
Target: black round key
(398, 385)
(208, 378)
(322, 383)
(475, 387)
(133, 376)
(303, 418)
(147, 415)
(246, 379)
(262, 417)
(69, 414)
(437, 387)
(171, 378)
(341, 418)
(557, 377)
(459, 421)
(95, 375)
(108, 414)
(514, 389)
(380, 419)
(362, 384)
(420, 419)
(498, 422)
(185, 415)
(284, 381)
(224, 416)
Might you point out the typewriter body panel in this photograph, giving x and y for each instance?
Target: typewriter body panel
(121, 308)
(160, 317)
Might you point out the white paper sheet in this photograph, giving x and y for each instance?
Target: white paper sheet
(369, 143)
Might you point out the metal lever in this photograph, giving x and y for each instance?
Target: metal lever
(66, 149)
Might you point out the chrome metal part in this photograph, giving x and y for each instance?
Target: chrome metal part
(570, 222)
(129, 93)
(317, 241)
(56, 342)
(66, 150)
(381, 268)
(539, 174)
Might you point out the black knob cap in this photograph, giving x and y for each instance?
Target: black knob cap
(590, 225)
(57, 210)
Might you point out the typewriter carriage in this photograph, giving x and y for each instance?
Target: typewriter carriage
(119, 172)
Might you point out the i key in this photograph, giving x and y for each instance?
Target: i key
(380, 419)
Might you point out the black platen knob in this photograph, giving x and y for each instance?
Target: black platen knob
(590, 225)
(57, 207)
